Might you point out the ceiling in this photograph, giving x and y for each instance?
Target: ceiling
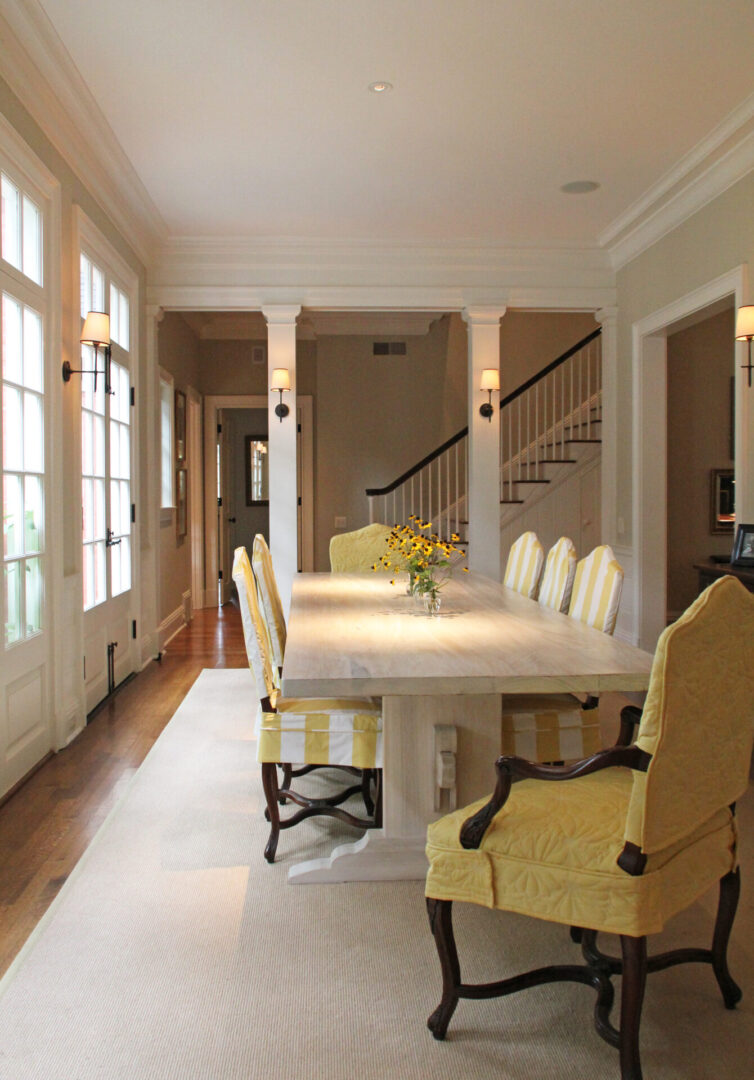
(252, 118)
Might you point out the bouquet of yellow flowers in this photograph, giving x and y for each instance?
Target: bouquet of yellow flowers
(427, 559)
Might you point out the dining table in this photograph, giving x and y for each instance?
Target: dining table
(441, 679)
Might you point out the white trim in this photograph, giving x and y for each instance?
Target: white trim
(40, 72)
(306, 404)
(195, 443)
(650, 445)
(717, 162)
(170, 626)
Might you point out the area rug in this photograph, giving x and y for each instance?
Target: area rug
(174, 952)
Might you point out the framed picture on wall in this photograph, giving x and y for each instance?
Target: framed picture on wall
(723, 500)
(180, 496)
(743, 549)
(180, 427)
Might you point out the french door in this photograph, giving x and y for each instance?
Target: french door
(107, 510)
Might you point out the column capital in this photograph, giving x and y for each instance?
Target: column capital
(606, 314)
(484, 314)
(281, 314)
(154, 311)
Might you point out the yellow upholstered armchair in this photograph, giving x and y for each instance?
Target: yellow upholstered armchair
(352, 552)
(626, 838)
(342, 733)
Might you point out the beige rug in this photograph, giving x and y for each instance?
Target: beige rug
(174, 952)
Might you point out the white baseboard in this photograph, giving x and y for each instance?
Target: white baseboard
(170, 626)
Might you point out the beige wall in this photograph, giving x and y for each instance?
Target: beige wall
(178, 353)
(226, 368)
(712, 242)
(529, 340)
(700, 366)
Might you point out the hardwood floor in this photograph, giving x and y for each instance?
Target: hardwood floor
(47, 824)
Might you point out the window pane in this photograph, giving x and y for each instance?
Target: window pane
(114, 449)
(12, 346)
(98, 430)
(13, 515)
(86, 286)
(32, 350)
(11, 223)
(99, 571)
(98, 492)
(33, 433)
(32, 240)
(123, 320)
(98, 290)
(115, 524)
(87, 444)
(125, 505)
(87, 509)
(34, 595)
(125, 452)
(12, 602)
(33, 508)
(13, 429)
(114, 314)
(120, 566)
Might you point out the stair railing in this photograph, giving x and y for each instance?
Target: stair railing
(551, 410)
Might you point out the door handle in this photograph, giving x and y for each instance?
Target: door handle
(232, 520)
(109, 542)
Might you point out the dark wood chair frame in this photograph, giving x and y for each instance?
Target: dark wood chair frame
(277, 796)
(598, 968)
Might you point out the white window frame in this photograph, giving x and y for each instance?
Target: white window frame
(167, 446)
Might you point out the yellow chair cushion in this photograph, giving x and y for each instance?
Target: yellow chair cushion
(549, 727)
(272, 608)
(357, 551)
(552, 851)
(322, 731)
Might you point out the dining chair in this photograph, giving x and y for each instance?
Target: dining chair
(524, 566)
(561, 727)
(272, 607)
(343, 733)
(557, 579)
(626, 839)
(353, 552)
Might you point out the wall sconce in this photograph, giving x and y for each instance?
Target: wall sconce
(490, 382)
(745, 331)
(281, 380)
(96, 332)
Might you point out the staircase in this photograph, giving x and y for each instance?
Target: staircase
(549, 425)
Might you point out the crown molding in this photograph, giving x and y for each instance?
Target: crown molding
(42, 75)
(720, 160)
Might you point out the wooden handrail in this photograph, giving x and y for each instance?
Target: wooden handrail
(434, 454)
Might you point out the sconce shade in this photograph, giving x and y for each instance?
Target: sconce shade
(745, 323)
(281, 379)
(96, 329)
(490, 379)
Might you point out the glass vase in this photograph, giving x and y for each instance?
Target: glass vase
(431, 603)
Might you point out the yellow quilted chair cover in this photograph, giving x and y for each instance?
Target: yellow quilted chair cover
(356, 551)
(552, 850)
(307, 731)
(555, 727)
(272, 608)
(557, 579)
(524, 567)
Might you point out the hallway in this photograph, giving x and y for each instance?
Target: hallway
(47, 824)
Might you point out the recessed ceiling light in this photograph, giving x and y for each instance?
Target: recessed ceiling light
(380, 87)
(580, 187)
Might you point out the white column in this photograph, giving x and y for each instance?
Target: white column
(484, 444)
(281, 353)
(608, 317)
(150, 492)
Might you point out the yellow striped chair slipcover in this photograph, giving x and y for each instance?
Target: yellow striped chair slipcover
(557, 580)
(272, 608)
(559, 727)
(524, 567)
(353, 552)
(341, 732)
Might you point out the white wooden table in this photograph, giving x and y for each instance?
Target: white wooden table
(358, 634)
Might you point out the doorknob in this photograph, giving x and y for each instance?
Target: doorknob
(232, 520)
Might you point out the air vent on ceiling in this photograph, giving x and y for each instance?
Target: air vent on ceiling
(388, 348)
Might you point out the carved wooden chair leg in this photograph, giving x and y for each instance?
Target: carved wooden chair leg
(270, 785)
(378, 798)
(634, 950)
(441, 924)
(576, 934)
(367, 776)
(730, 888)
(287, 774)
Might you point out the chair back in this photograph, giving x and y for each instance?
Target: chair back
(272, 608)
(698, 719)
(353, 552)
(557, 580)
(524, 567)
(255, 637)
(597, 587)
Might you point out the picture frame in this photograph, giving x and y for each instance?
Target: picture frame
(722, 500)
(743, 548)
(181, 489)
(180, 427)
(257, 476)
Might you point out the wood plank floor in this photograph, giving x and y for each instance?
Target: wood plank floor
(47, 824)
